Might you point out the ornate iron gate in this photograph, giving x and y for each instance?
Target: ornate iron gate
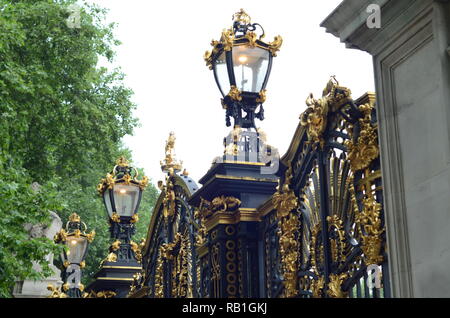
(329, 208)
(320, 234)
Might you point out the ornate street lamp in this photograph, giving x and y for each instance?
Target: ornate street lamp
(76, 239)
(122, 193)
(241, 62)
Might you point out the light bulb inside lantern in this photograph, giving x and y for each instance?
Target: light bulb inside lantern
(122, 191)
(243, 59)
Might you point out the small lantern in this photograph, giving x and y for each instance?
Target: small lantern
(76, 240)
(241, 62)
(122, 192)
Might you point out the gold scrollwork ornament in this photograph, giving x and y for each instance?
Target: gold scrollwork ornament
(335, 285)
(317, 287)
(235, 93)
(362, 152)
(370, 230)
(285, 200)
(275, 45)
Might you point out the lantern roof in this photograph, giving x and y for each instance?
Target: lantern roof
(122, 173)
(243, 32)
(74, 227)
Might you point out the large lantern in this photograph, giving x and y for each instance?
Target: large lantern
(122, 192)
(241, 62)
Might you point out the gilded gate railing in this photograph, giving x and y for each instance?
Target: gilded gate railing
(328, 207)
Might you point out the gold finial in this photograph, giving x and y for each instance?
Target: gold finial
(170, 163)
(74, 218)
(242, 17)
(122, 162)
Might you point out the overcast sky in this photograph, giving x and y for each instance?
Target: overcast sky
(162, 49)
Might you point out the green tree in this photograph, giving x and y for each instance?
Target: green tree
(62, 119)
(19, 205)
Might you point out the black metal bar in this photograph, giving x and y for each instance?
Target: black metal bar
(324, 213)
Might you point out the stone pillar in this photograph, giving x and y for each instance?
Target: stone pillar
(38, 289)
(412, 74)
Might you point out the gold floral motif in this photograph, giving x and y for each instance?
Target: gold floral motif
(315, 116)
(218, 205)
(112, 257)
(136, 283)
(127, 179)
(115, 217)
(159, 275)
(262, 97)
(317, 287)
(110, 181)
(224, 204)
(235, 94)
(370, 230)
(115, 245)
(137, 251)
(251, 37)
(337, 245)
(61, 236)
(289, 255)
(316, 259)
(169, 196)
(105, 294)
(74, 218)
(335, 286)
(362, 152)
(200, 237)
(170, 163)
(143, 183)
(180, 269)
(176, 253)
(107, 183)
(90, 236)
(227, 39)
(122, 162)
(134, 218)
(242, 17)
(285, 200)
(208, 59)
(55, 292)
(275, 45)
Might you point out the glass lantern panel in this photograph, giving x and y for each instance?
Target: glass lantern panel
(126, 198)
(221, 74)
(77, 248)
(108, 204)
(250, 67)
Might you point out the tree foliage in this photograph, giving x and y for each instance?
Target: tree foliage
(62, 118)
